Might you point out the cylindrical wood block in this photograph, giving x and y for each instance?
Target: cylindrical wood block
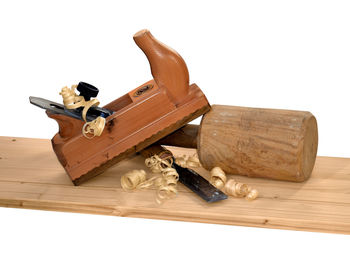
(269, 143)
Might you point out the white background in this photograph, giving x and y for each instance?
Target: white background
(271, 54)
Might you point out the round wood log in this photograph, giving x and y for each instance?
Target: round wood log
(269, 143)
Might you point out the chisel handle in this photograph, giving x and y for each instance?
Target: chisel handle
(156, 150)
(185, 137)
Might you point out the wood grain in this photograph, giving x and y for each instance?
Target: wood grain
(31, 177)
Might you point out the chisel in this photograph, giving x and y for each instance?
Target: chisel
(188, 177)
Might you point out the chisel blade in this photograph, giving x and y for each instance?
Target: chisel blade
(198, 184)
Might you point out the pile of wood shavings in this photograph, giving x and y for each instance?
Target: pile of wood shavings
(166, 184)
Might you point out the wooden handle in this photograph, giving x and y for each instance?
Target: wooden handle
(185, 137)
(156, 150)
(168, 68)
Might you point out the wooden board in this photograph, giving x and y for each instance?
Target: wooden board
(31, 177)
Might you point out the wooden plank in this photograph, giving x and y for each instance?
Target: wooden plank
(31, 177)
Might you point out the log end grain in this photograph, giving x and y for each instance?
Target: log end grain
(310, 144)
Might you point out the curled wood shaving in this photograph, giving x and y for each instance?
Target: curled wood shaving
(133, 179)
(181, 160)
(157, 164)
(137, 179)
(193, 161)
(188, 161)
(94, 128)
(236, 189)
(217, 177)
(252, 195)
(72, 101)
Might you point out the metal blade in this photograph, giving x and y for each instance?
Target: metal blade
(198, 184)
(57, 108)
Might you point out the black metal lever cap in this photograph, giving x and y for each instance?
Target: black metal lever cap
(87, 90)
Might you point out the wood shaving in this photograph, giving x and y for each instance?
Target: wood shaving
(181, 161)
(133, 179)
(252, 195)
(72, 101)
(188, 161)
(217, 177)
(237, 189)
(193, 161)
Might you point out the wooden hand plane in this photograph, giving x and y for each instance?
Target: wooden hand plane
(139, 118)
